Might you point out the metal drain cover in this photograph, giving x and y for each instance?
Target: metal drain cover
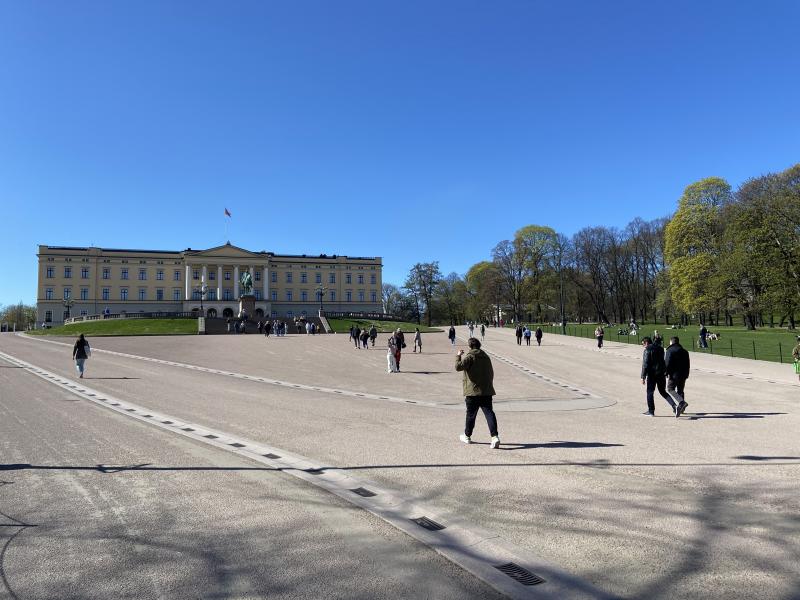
(428, 524)
(364, 492)
(521, 574)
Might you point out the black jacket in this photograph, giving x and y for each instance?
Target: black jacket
(653, 361)
(676, 360)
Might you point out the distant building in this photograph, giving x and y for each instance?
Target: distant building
(132, 281)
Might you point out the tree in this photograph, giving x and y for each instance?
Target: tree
(484, 286)
(422, 281)
(509, 261)
(20, 316)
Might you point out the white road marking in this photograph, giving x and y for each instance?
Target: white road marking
(477, 551)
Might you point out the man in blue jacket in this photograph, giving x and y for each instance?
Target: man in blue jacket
(654, 375)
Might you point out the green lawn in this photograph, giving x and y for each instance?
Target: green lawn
(763, 344)
(124, 327)
(343, 325)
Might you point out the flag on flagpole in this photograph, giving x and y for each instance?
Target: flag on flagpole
(227, 213)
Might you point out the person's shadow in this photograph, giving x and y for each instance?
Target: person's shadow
(559, 444)
(730, 415)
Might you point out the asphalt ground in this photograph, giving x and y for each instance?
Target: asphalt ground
(639, 507)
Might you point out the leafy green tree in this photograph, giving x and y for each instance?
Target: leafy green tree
(20, 316)
(422, 281)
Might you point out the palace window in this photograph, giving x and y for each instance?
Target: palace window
(50, 272)
(257, 275)
(331, 277)
(257, 294)
(212, 294)
(333, 296)
(227, 294)
(84, 273)
(142, 293)
(303, 278)
(65, 315)
(348, 278)
(176, 276)
(195, 273)
(106, 293)
(372, 279)
(106, 273)
(348, 296)
(176, 294)
(227, 275)
(142, 274)
(274, 296)
(274, 314)
(288, 278)
(48, 316)
(360, 295)
(67, 293)
(274, 277)
(195, 294)
(123, 274)
(373, 297)
(123, 293)
(48, 294)
(318, 278)
(67, 272)
(160, 275)
(288, 295)
(212, 276)
(84, 293)
(160, 294)
(304, 296)
(360, 279)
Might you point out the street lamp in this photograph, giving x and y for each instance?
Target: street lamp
(68, 302)
(203, 292)
(320, 291)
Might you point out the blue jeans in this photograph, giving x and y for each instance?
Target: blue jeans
(485, 404)
(79, 362)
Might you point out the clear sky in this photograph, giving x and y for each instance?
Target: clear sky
(412, 130)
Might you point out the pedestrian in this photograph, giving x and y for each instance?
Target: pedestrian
(391, 353)
(357, 336)
(703, 336)
(260, 327)
(228, 323)
(80, 352)
(526, 333)
(796, 357)
(417, 340)
(654, 375)
(676, 366)
(471, 328)
(365, 339)
(518, 333)
(352, 330)
(451, 334)
(599, 333)
(400, 343)
(373, 334)
(478, 388)
(658, 339)
(483, 331)
(539, 336)
(267, 328)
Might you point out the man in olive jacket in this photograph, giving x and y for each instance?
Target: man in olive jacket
(478, 389)
(676, 360)
(654, 374)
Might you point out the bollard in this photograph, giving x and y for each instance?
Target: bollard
(780, 353)
(754, 350)
(731, 346)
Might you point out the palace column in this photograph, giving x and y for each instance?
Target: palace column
(219, 282)
(188, 279)
(236, 282)
(266, 283)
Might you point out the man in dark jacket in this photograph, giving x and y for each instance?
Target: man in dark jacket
(676, 362)
(653, 374)
(478, 386)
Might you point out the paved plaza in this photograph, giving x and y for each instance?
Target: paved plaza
(152, 477)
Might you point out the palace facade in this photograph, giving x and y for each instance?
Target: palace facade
(86, 281)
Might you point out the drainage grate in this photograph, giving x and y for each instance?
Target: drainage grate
(187, 429)
(130, 410)
(524, 576)
(426, 523)
(236, 445)
(167, 422)
(364, 492)
(271, 455)
(148, 416)
(211, 436)
(315, 471)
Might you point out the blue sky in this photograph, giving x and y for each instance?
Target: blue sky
(414, 131)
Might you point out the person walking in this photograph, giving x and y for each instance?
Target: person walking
(703, 336)
(478, 388)
(451, 334)
(400, 343)
(599, 333)
(391, 353)
(373, 334)
(796, 357)
(417, 340)
(471, 328)
(483, 331)
(365, 339)
(676, 366)
(80, 352)
(357, 336)
(518, 333)
(539, 336)
(654, 375)
(658, 339)
(526, 333)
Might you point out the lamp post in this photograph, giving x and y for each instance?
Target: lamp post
(68, 302)
(320, 291)
(203, 292)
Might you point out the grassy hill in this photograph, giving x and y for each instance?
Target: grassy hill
(124, 327)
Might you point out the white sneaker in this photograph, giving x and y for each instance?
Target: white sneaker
(495, 443)
(465, 438)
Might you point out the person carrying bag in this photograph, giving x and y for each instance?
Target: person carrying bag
(80, 352)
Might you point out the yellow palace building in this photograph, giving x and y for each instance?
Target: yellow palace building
(86, 281)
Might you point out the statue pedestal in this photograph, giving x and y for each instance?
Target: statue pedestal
(247, 304)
